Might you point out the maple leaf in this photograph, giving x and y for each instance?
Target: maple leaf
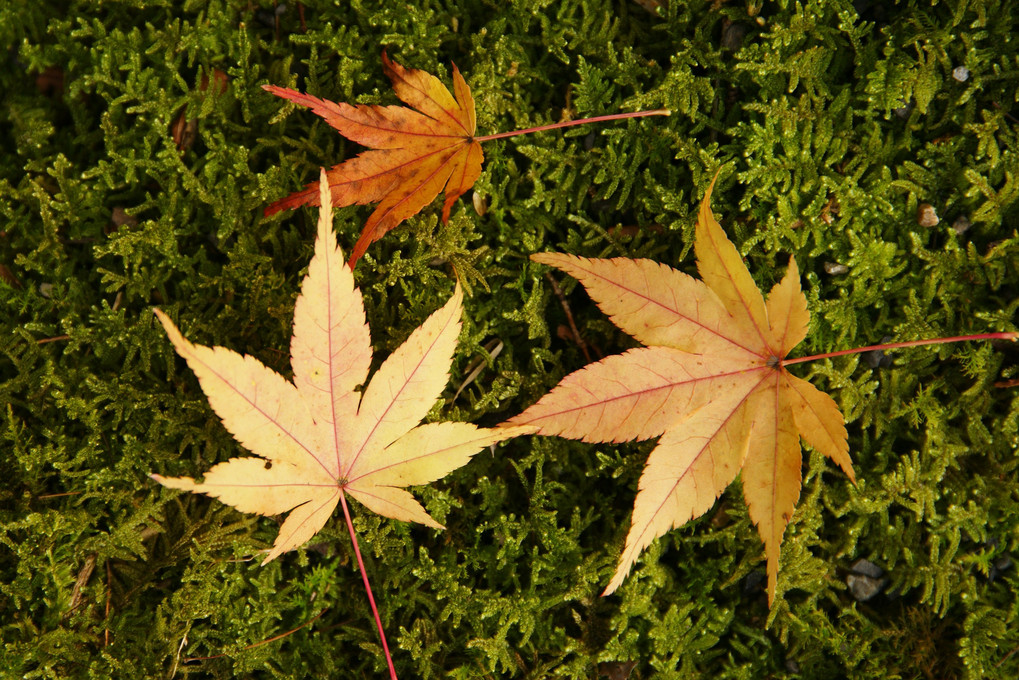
(317, 437)
(414, 152)
(710, 382)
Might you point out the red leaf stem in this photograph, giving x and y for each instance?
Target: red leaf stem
(367, 585)
(571, 123)
(898, 345)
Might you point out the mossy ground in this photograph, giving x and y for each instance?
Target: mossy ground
(130, 177)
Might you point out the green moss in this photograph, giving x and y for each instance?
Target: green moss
(833, 125)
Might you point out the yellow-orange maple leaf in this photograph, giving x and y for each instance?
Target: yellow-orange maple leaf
(318, 437)
(414, 153)
(709, 382)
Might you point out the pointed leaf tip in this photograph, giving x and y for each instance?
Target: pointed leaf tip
(325, 198)
(706, 201)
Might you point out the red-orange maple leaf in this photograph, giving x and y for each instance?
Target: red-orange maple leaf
(414, 153)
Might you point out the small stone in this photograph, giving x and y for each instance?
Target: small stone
(877, 358)
(1003, 563)
(874, 357)
(835, 269)
(865, 581)
(754, 582)
(926, 216)
(904, 110)
(46, 290)
(480, 203)
(864, 588)
(866, 568)
(960, 73)
(961, 225)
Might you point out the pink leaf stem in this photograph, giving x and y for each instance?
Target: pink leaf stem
(367, 585)
(897, 345)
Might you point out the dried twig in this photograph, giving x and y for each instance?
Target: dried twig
(569, 317)
(106, 615)
(1007, 657)
(84, 574)
(57, 495)
(55, 338)
(258, 644)
(493, 347)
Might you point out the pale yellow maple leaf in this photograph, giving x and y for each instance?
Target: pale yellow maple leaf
(317, 437)
(710, 383)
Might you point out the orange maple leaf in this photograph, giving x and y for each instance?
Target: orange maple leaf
(415, 153)
(318, 438)
(710, 382)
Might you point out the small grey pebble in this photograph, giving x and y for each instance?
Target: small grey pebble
(865, 582)
(866, 568)
(960, 73)
(1003, 563)
(864, 588)
(835, 269)
(904, 110)
(926, 216)
(961, 225)
(754, 582)
(878, 358)
(792, 666)
(46, 290)
(873, 358)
